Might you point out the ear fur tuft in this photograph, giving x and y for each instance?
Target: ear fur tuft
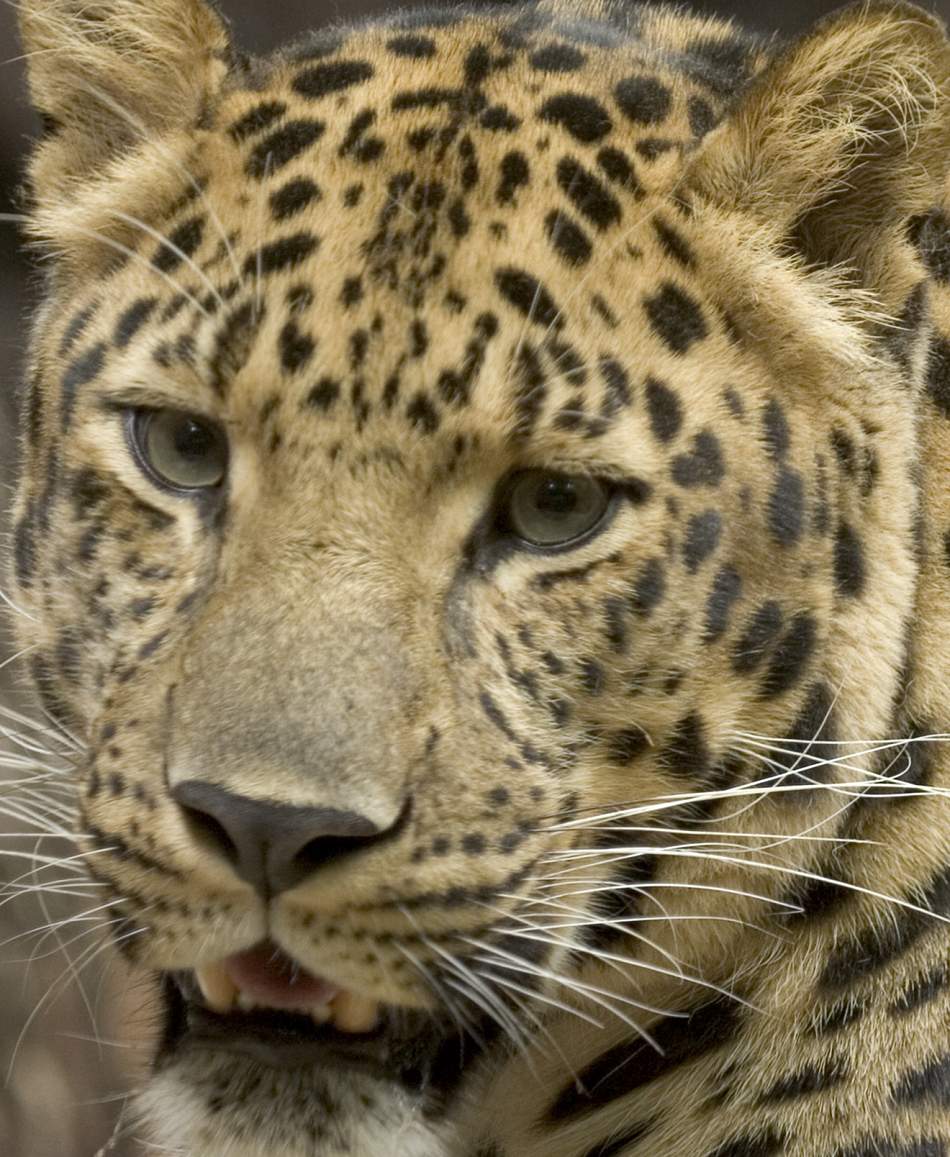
(108, 75)
(842, 138)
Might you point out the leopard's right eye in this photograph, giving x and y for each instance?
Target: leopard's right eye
(178, 450)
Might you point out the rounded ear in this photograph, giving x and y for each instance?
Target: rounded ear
(106, 75)
(842, 138)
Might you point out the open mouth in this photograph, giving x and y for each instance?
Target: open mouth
(262, 1004)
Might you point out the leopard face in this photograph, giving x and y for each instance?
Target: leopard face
(422, 470)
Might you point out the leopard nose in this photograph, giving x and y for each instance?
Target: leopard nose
(275, 847)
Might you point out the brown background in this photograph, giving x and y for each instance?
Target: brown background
(65, 1090)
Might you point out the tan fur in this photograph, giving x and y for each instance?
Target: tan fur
(332, 636)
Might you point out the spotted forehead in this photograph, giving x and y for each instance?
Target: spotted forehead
(365, 191)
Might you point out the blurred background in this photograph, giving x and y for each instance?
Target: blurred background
(72, 1046)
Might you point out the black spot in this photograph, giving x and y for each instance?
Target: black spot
(809, 747)
(589, 195)
(921, 992)
(530, 389)
(592, 676)
(558, 58)
(807, 1081)
(619, 169)
(703, 533)
(296, 348)
(702, 118)
(334, 76)
(676, 317)
(567, 237)
(352, 292)
(929, 233)
(618, 393)
(619, 1143)
(515, 174)
(132, 320)
(287, 253)
(499, 119)
(734, 402)
(649, 588)
(86, 368)
(652, 147)
(721, 65)
(427, 98)
(625, 746)
(703, 465)
(877, 947)
(725, 593)
(767, 1144)
(666, 413)
(181, 245)
(761, 632)
(259, 118)
(791, 656)
(938, 375)
(423, 414)
(687, 752)
(583, 117)
(473, 844)
(76, 328)
(775, 429)
(24, 549)
(848, 562)
(786, 509)
(634, 1064)
(673, 243)
(528, 295)
(644, 99)
(416, 47)
(283, 146)
(879, 1147)
(293, 198)
(927, 1086)
(324, 394)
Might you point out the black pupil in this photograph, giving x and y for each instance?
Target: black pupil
(556, 497)
(193, 441)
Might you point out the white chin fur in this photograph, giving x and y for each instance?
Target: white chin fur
(178, 1119)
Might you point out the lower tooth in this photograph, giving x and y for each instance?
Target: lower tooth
(321, 1014)
(245, 1002)
(355, 1014)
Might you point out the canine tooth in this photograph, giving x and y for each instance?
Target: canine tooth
(352, 1013)
(216, 986)
(321, 1013)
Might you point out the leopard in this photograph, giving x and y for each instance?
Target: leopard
(493, 460)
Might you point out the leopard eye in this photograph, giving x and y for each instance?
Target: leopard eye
(547, 510)
(180, 450)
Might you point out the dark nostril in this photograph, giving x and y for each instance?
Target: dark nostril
(274, 846)
(209, 831)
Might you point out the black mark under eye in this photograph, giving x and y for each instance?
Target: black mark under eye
(178, 450)
(549, 510)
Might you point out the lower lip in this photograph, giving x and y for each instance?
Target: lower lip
(283, 1040)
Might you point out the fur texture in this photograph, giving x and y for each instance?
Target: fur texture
(676, 850)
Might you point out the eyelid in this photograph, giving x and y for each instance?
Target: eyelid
(138, 399)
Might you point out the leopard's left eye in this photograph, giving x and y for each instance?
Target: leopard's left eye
(547, 510)
(178, 450)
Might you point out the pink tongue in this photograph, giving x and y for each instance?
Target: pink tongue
(271, 978)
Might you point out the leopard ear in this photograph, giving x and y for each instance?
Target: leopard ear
(841, 139)
(107, 76)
